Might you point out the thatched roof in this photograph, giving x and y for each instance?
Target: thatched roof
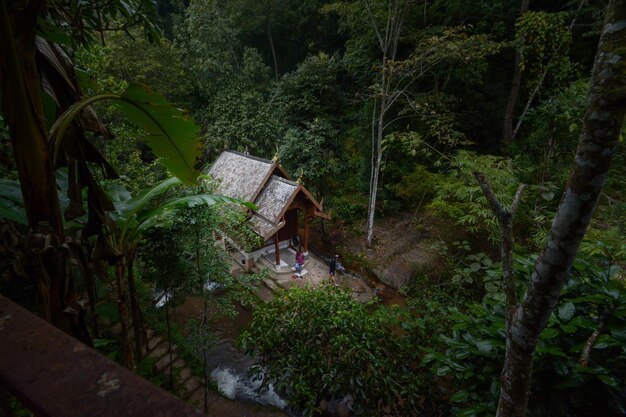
(263, 182)
(240, 176)
(275, 197)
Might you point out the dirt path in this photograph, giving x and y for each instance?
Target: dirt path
(400, 249)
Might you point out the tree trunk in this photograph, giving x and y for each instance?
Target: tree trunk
(168, 323)
(505, 218)
(127, 351)
(270, 39)
(388, 39)
(602, 124)
(507, 128)
(135, 309)
(377, 155)
(23, 111)
(535, 90)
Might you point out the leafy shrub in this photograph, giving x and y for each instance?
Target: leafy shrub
(319, 344)
(461, 198)
(349, 207)
(419, 186)
(566, 381)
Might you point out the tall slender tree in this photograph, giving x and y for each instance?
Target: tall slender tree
(507, 128)
(602, 125)
(387, 36)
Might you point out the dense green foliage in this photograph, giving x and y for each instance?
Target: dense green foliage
(328, 346)
(303, 82)
(565, 379)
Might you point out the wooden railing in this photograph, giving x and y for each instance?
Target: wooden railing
(54, 375)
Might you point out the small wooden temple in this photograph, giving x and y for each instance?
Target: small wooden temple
(277, 197)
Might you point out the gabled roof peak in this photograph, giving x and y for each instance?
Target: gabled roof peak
(261, 181)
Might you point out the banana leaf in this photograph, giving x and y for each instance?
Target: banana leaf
(170, 133)
(129, 213)
(151, 217)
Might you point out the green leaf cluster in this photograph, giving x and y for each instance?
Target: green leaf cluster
(566, 381)
(319, 344)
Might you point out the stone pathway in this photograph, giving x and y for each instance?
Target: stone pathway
(317, 273)
(157, 349)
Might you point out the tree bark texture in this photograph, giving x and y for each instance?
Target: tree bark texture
(602, 124)
(377, 155)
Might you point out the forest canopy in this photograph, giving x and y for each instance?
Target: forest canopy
(491, 131)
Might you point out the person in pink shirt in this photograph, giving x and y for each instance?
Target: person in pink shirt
(299, 265)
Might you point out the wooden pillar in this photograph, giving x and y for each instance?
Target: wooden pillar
(306, 232)
(277, 249)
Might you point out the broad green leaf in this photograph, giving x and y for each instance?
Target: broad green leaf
(484, 346)
(471, 411)
(11, 190)
(594, 298)
(568, 328)
(605, 341)
(619, 334)
(608, 380)
(172, 135)
(442, 370)
(566, 311)
(460, 396)
(150, 218)
(118, 193)
(13, 212)
(551, 350)
(549, 333)
(11, 201)
(137, 203)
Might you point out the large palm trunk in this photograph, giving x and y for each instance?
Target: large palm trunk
(122, 307)
(135, 307)
(602, 124)
(23, 111)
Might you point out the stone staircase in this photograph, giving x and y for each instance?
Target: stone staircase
(157, 349)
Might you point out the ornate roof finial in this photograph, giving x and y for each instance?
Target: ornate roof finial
(275, 158)
(300, 175)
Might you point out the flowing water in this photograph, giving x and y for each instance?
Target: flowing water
(229, 369)
(227, 365)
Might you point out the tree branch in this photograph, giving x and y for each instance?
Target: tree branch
(516, 199)
(602, 125)
(381, 43)
(491, 196)
(505, 217)
(533, 94)
(584, 356)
